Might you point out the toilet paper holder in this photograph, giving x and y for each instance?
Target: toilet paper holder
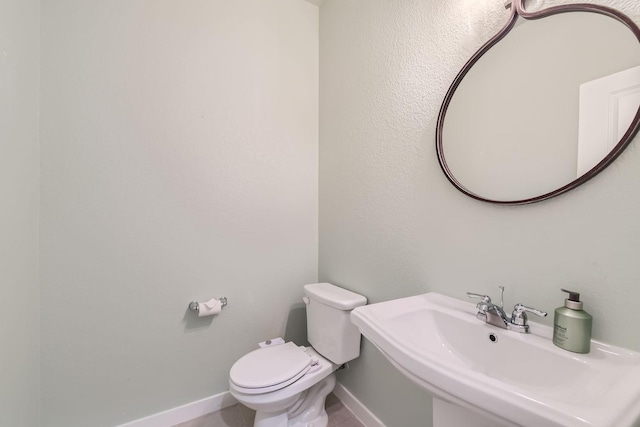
(195, 305)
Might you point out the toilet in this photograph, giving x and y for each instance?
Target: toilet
(287, 384)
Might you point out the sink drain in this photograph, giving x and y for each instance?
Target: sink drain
(493, 337)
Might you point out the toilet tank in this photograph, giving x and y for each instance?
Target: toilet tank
(329, 328)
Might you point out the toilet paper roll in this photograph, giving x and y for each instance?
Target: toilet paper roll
(209, 308)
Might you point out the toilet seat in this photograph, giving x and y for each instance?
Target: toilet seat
(271, 368)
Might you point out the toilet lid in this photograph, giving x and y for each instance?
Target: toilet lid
(270, 366)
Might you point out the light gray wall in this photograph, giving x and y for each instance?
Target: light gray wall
(391, 225)
(179, 163)
(19, 293)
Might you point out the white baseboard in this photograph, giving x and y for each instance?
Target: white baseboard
(220, 401)
(186, 412)
(361, 412)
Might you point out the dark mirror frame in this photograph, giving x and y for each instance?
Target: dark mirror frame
(517, 10)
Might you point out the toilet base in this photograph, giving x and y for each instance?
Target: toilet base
(307, 411)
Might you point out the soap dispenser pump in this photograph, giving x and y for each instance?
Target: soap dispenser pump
(572, 325)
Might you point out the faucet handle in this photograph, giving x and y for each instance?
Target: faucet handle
(484, 304)
(519, 317)
(484, 298)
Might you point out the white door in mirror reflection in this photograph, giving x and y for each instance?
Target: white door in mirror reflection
(607, 107)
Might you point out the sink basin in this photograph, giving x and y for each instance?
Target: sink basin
(521, 379)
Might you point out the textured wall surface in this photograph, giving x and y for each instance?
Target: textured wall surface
(391, 225)
(19, 293)
(179, 163)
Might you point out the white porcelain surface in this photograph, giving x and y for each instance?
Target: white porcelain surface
(285, 397)
(276, 366)
(523, 378)
(329, 327)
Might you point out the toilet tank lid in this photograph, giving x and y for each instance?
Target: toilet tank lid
(334, 296)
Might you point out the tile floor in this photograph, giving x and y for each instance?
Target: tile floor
(241, 416)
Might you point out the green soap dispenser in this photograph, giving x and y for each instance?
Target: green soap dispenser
(572, 325)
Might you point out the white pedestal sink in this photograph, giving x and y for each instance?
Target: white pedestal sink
(447, 414)
(506, 378)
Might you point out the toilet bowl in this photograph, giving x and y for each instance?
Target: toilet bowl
(290, 387)
(287, 384)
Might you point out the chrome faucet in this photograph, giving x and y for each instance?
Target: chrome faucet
(495, 315)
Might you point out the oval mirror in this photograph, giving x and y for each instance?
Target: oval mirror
(540, 112)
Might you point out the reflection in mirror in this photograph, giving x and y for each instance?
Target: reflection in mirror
(607, 107)
(542, 107)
